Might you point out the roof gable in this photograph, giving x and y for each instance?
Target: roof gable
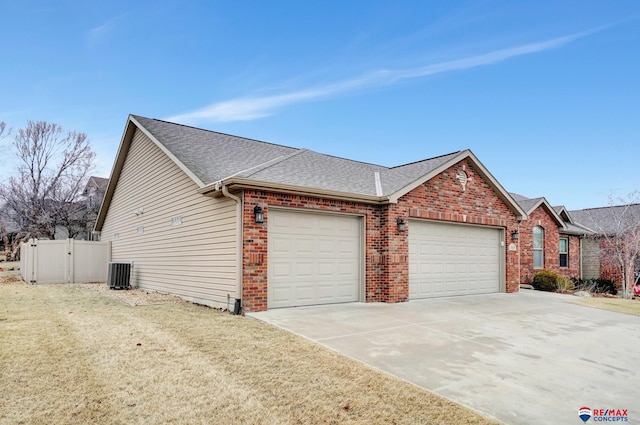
(99, 183)
(437, 165)
(563, 213)
(532, 204)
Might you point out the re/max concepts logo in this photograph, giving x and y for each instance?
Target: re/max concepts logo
(603, 415)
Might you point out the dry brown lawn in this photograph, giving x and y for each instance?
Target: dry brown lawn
(614, 304)
(71, 355)
(9, 272)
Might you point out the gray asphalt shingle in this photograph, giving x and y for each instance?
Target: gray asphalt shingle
(608, 220)
(213, 156)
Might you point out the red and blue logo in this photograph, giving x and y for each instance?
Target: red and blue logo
(585, 414)
(603, 415)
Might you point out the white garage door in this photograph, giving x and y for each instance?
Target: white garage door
(453, 259)
(313, 258)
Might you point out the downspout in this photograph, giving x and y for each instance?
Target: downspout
(519, 255)
(237, 307)
(581, 258)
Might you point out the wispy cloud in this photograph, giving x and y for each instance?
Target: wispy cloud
(99, 31)
(254, 107)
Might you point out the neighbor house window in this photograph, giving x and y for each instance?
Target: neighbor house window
(538, 247)
(564, 252)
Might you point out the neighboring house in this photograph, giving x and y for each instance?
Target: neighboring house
(549, 240)
(219, 219)
(93, 193)
(611, 221)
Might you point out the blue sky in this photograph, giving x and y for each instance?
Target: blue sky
(545, 93)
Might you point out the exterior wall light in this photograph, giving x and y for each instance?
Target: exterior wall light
(402, 225)
(258, 214)
(515, 235)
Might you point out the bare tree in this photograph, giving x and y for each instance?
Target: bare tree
(618, 227)
(3, 127)
(52, 167)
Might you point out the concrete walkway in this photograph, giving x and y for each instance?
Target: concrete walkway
(521, 358)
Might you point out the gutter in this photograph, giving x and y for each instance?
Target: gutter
(234, 183)
(237, 306)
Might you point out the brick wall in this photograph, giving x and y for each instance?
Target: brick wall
(386, 249)
(609, 266)
(255, 243)
(443, 199)
(543, 218)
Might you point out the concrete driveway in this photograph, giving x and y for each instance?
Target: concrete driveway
(521, 358)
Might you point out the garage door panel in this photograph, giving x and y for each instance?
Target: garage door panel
(303, 270)
(281, 245)
(325, 269)
(325, 265)
(304, 293)
(279, 269)
(347, 269)
(303, 246)
(452, 259)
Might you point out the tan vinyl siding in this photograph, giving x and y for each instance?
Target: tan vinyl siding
(197, 259)
(590, 258)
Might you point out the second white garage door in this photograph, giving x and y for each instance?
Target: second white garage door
(313, 258)
(453, 259)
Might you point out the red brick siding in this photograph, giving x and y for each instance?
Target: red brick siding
(443, 199)
(386, 249)
(609, 266)
(543, 218)
(255, 242)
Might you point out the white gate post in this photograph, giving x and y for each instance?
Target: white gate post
(70, 266)
(33, 261)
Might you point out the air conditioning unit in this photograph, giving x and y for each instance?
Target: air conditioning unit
(119, 276)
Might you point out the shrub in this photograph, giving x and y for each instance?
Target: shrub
(546, 280)
(564, 284)
(599, 285)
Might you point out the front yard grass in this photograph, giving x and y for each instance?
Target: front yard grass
(619, 305)
(69, 355)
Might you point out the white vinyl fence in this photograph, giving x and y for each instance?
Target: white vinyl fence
(64, 261)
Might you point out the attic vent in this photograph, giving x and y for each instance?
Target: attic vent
(119, 276)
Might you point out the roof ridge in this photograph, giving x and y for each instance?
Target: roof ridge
(267, 164)
(608, 206)
(213, 131)
(423, 160)
(348, 159)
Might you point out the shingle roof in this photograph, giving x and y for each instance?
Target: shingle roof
(608, 220)
(217, 161)
(517, 197)
(101, 182)
(213, 156)
(575, 228)
(529, 204)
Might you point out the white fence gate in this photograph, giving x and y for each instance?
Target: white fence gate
(64, 261)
